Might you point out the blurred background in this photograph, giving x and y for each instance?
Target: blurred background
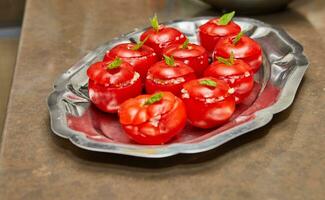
(11, 15)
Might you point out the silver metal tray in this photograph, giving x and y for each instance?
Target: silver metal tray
(74, 118)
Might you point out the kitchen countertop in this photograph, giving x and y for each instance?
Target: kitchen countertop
(283, 160)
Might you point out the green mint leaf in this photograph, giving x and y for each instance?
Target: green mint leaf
(230, 61)
(208, 82)
(154, 23)
(116, 63)
(170, 61)
(223, 60)
(232, 58)
(237, 38)
(154, 98)
(185, 44)
(138, 45)
(226, 18)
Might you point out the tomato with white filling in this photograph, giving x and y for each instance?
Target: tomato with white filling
(111, 83)
(153, 119)
(209, 102)
(168, 75)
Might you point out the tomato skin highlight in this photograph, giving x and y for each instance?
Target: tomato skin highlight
(140, 59)
(203, 113)
(165, 36)
(162, 77)
(152, 87)
(153, 124)
(107, 89)
(206, 116)
(211, 32)
(246, 49)
(238, 76)
(195, 56)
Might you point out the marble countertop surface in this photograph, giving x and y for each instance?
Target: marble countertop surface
(283, 160)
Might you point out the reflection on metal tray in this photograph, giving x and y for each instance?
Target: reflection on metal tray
(74, 118)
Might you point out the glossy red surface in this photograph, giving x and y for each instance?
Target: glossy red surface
(194, 56)
(100, 74)
(246, 49)
(238, 76)
(162, 77)
(108, 99)
(140, 59)
(108, 88)
(155, 123)
(211, 32)
(158, 40)
(207, 106)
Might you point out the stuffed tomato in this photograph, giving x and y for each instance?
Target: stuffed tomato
(111, 83)
(216, 28)
(168, 75)
(195, 56)
(243, 47)
(153, 119)
(236, 73)
(209, 102)
(160, 36)
(140, 56)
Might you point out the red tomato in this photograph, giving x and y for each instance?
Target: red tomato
(236, 73)
(193, 55)
(141, 58)
(168, 75)
(160, 36)
(111, 83)
(214, 29)
(153, 119)
(208, 102)
(245, 49)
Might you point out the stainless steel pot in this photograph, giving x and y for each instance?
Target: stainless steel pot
(249, 6)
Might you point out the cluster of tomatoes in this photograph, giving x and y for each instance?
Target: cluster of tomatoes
(179, 81)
